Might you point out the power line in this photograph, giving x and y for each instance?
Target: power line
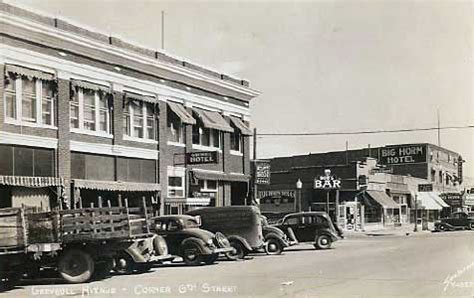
(364, 131)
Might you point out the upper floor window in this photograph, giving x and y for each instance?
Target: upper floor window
(176, 128)
(29, 97)
(240, 129)
(140, 120)
(236, 140)
(208, 130)
(90, 108)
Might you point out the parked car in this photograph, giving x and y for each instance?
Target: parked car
(186, 239)
(240, 224)
(457, 220)
(275, 239)
(315, 227)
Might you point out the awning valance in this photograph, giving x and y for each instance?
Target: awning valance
(241, 126)
(188, 201)
(115, 186)
(139, 97)
(427, 201)
(382, 199)
(220, 176)
(90, 86)
(435, 196)
(213, 120)
(181, 112)
(30, 73)
(30, 181)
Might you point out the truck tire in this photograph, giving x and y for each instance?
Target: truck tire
(192, 254)
(239, 251)
(273, 247)
(102, 269)
(323, 242)
(76, 266)
(211, 259)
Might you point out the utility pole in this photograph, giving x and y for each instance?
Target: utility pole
(439, 128)
(416, 214)
(162, 29)
(254, 170)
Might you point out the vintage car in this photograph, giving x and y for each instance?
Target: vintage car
(275, 239)
(186, 239)
(457, 221)
(242, 225)
(315, 227)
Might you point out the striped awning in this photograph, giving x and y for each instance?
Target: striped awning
(90, 86)
(220, 176)
(115, 186)
(139, 97)
(181, 112)
(383, 199)
(30, 181)
(241, 126)
(28, 72)
(188, 201)
(213, 120)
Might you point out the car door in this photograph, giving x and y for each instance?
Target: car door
(307, 228)
(166, 228)
(455, 220)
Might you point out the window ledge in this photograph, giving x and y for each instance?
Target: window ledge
(206, 148)
(92, 133)
(140, 140)
(28, 124)
(170, 143)
(236, 153)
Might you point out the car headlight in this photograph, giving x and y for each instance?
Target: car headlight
(210, 242)
(160, 246)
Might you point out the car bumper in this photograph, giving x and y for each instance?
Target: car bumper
(162, 258)
(222, 250)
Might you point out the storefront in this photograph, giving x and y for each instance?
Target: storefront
(429, 208)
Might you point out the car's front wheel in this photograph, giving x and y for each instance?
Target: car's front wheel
(323, 242)
(471, 226)
(273, 247)
(191, 254)
(238, 251)
(441, 228)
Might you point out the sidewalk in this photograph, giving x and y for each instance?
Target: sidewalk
(405, 230)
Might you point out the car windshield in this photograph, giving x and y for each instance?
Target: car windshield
(190, 223)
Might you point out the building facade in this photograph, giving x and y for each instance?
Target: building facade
(378, 186)
(89, 119)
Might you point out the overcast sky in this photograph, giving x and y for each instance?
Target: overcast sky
(320, 65)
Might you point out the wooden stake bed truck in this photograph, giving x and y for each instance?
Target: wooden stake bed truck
(80, 244)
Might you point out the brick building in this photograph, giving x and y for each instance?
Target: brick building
(378, 185)
(85, 115)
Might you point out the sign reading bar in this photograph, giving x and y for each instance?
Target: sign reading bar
(262, 172)
(327, 181)
(205, 157)
(425, 187)
(402, 154)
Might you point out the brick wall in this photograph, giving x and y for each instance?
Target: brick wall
(63, 152)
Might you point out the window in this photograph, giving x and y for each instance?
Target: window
(236, 139)
(433, 175)
(29, 101)
(208, 137)
(90, 111)
(292, 221)
(175, 128)
(139, 120)
(208, 185)
(175, 187)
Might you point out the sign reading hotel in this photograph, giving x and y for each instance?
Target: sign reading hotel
(327, 181)
(262, 172)
(403, 154)
(205, 157)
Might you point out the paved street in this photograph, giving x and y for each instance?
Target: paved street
(423, 265)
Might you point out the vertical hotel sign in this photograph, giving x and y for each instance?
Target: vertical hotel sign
(404, 154)
(262, 172)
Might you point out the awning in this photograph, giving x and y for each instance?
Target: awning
(30, 73)
(116, 186)
(213, 120)
(30, 181)
(188, 201)
(383, 199)
(241, 126)
(427, 201)
(139, 97)
(181, 112)
(439, 200)
(90, 86)
(220, 176)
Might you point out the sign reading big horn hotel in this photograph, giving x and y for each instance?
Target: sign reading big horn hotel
(403, 154)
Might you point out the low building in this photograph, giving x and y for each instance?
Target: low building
(88, 118)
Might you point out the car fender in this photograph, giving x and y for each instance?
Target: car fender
(136, 252)
(240, 239)
(327, 233)
(449, 226)
(277, 237)
(200, 244)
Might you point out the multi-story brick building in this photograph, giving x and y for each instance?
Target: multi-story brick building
(383, 181)
(85, 115)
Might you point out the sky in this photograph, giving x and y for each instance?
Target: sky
(322, 66)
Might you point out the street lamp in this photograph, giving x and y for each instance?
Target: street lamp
(299, 186)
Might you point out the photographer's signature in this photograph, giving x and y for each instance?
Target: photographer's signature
(450, 280)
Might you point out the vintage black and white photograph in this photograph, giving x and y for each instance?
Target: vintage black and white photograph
(237, 148)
